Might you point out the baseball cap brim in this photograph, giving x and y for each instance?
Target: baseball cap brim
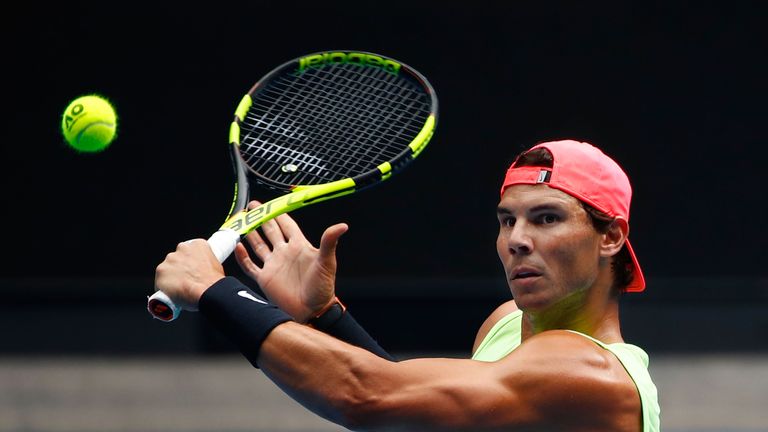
(638, 280)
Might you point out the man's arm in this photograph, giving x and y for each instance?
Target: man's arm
(555, 380)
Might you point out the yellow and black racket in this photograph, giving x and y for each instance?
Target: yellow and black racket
(320, 127)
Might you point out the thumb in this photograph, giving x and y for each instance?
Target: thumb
(329, 241)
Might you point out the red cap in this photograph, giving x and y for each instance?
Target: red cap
(584, 172)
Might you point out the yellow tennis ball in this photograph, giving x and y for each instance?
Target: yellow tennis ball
(89, 123)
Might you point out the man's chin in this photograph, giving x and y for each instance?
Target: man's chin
(533, 302)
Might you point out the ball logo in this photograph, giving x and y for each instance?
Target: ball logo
(339, 57)
(71, 117)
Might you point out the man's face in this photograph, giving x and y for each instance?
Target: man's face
(547, 245)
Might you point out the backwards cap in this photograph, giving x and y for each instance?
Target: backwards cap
(584, 172)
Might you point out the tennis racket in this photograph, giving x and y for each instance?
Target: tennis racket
(319, 127)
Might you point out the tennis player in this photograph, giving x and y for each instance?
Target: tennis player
(551, 359)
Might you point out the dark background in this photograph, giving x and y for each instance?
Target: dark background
(674, 92)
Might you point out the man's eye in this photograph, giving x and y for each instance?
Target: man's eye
(508, 222)
(549, 218)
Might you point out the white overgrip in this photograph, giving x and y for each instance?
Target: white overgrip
(222, 244)
(161, 307)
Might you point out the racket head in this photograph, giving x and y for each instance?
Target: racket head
(320, 126)
(330, 116)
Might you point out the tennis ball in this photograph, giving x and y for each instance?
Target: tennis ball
(89, 124)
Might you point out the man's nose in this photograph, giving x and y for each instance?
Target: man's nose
(519, 240)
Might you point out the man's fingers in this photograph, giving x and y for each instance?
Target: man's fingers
(258, 245)
(289, 227)
(330, 240)
(273, 232)
(244, 261)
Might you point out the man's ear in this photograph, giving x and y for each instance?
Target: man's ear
(613, 240)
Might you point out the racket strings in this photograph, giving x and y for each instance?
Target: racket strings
(328, 88)
(354, 112)
(348, 113)
(390, 107)
(330, 123)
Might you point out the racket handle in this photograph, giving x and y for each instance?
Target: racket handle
(161, 307)
(222, 243)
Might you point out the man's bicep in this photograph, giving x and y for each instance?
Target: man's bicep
(427, 394)
(550, 382)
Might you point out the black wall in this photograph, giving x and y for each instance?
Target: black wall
(674, 92)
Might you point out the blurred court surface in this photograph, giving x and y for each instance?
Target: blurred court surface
(225, 394)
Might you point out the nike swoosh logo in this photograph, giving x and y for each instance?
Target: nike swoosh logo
(246, 294)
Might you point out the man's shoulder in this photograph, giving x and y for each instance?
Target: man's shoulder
(564, 372)
(568, 353)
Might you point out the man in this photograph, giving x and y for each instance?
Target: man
(552, 359)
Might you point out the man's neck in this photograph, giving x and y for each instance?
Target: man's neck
(595, 315)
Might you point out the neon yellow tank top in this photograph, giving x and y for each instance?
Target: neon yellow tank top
(506, 335)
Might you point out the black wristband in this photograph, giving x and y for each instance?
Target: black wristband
(339, 323)
(241, 314)
(328, 316)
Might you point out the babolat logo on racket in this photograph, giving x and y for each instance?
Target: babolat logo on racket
(339, 57)
(246, 219)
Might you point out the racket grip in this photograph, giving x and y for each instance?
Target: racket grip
(161, 307)
(222, 244)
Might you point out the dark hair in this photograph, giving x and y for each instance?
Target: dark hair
(622, 266)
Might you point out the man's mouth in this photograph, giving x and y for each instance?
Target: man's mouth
(525, 273)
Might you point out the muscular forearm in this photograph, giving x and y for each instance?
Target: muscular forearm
(360, 391)
(333, 379)
(347, 384)
(303, 361)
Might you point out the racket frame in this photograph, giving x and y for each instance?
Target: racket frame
(240, 221)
